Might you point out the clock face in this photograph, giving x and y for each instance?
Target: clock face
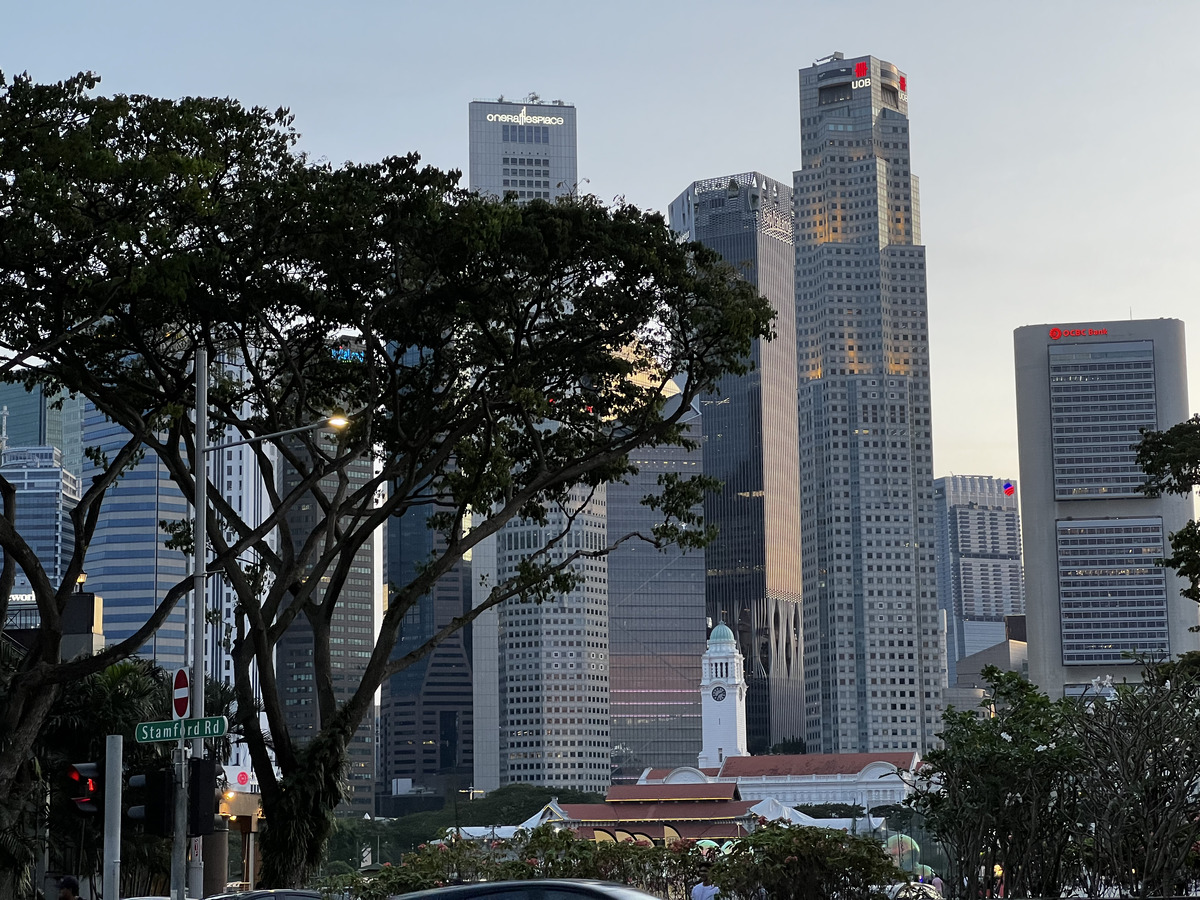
(718, 693)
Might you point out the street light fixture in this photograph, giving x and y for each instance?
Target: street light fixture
(195, 868)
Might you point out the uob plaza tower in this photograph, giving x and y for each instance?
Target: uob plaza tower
(874, 657)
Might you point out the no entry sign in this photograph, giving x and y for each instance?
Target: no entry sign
(182, 699)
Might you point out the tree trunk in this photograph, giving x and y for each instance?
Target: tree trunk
(299, 808)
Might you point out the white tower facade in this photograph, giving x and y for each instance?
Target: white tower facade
(723, 699)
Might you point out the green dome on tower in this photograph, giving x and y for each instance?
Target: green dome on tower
(721, 635)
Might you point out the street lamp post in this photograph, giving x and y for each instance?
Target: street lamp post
(199, 650)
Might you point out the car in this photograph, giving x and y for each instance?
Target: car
(912, 890)
(539, 889)
(271, 894)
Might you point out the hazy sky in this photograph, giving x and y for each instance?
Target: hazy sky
(1055, 141)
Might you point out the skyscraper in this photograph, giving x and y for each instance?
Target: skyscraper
(750, 445)
(656, 623)
(425, 718)
(979, 579)
(352, 626)
(128, 563)
(553, 670)
(46, 492)
(874, 662)
(33, 419)
(526, 148)
(1094, 589)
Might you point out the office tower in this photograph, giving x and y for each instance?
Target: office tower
(485, 667)
(979, 579)
(352, 630)
(46, 492)
(553, 666)
(750, 445)
(525, 148)
(874, 663)
(1094, 589)
(656, 622)
(31, 419)
(128, 563)
(426, 725)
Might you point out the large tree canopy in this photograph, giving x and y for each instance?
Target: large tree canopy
(505, 359)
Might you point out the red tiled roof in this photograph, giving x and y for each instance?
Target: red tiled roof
(648, 793)
(631, 813)
(810, 764)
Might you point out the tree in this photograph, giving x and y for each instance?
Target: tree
(796, 863)
(1171, 460)
(506, 360)
(1138, 787)
(1000, 791)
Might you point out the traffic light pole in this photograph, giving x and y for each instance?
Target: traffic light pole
(179, 846)
(113, 750)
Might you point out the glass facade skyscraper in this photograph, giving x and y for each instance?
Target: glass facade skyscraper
(127, 562)
(874, 661)
(1095, 591)
(46, 492)
(656, 623)
(426, 722)
(750, 444)
(352, 635)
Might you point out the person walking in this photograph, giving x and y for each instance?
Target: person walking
(705, 890)
(68, 888)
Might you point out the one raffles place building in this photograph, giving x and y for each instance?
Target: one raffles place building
(1095, 592)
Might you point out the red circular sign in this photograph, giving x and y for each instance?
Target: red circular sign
(181, 699)
(1055, 334)
(243, 778)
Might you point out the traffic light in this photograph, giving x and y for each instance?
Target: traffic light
(202, 797)
(83, 787)
(157, 813)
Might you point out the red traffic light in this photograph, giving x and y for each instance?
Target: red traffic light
(84, 787)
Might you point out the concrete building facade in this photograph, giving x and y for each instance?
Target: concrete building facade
(526, 148)
(874, 661)
(979, 575)
(1094, 590)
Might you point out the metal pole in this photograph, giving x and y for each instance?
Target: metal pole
(113, 750)
(199, 589)
(179, 847)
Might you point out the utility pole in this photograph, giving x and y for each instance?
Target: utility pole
(113, 776)
(199, 598)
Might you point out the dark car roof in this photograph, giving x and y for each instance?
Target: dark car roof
(580, 886)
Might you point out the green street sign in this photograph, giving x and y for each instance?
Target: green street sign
(187, 729)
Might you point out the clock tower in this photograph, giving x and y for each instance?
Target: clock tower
(723, 699)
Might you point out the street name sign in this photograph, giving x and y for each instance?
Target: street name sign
(181, 729)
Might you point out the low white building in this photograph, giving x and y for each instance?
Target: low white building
(865, 779)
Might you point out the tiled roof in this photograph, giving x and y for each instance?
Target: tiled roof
(810, 764)
(630, 813)
(648, 793)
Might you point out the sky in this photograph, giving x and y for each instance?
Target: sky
(1055, 140)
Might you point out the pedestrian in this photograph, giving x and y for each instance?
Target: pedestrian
(68, 888)
(938, 884)
(705, 890)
